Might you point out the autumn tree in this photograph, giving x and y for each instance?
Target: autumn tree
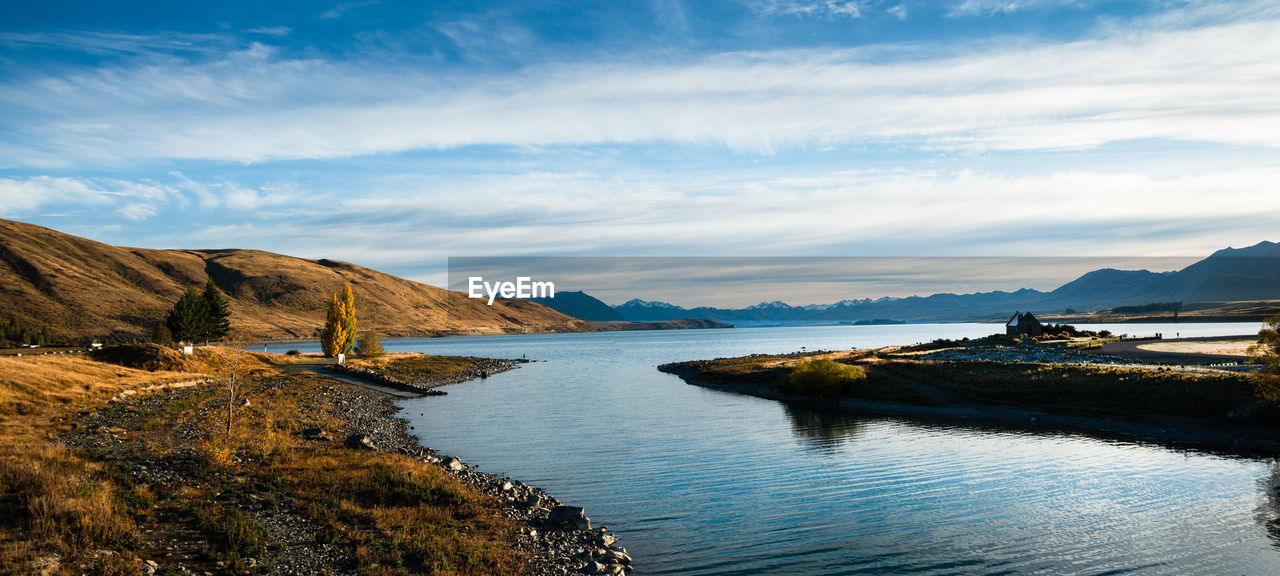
(339, 334)
(370, 345)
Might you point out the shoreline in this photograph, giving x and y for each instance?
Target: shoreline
(551, 538)
(556, 548)
(1240, 439)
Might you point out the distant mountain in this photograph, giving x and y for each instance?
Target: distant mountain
(1107, 288)
(1228, 275)
(582, 306)
(688, 324)
(637, 310)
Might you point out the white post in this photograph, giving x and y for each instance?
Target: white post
(341, 358)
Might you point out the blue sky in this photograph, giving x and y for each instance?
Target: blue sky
(397, 134)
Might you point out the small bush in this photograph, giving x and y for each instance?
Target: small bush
(293, 353)
(370, 346)
(150, 357)
(822, 377)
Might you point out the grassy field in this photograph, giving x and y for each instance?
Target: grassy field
(161, 467)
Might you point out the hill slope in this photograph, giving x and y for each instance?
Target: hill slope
(79, 289)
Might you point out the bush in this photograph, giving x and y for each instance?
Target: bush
(150, 357)
(293, 353)
(370, 345)
(822, 377)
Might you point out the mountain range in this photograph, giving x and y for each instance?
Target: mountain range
(1228, 275)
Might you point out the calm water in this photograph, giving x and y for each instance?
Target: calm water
(697, 481)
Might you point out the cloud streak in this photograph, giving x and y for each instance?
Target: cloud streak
(1214, 84)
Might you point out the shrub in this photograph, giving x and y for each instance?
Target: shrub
(370, 346)
(293, 353)
(150, 357)
(822, 377)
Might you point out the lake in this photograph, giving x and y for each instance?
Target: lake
(697, 481)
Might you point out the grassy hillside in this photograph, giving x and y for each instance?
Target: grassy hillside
(79, 289)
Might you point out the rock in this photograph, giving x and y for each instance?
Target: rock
(507, 486)
(454, 464)
(616, 557)
(608, 540)
(533, 500)
(359, 442)
(570, 515)
(316, 434)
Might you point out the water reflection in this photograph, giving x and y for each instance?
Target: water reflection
(1268, 512)
(822, 431)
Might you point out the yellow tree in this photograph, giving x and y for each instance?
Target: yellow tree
(339, 334)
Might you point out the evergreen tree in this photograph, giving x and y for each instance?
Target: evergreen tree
(217, 313)
(162, 335)
(188, 320)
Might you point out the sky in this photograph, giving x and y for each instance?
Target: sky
(398, 134)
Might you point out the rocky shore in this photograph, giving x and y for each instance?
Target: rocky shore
(555, 539)
(427, 384)
(558, 538)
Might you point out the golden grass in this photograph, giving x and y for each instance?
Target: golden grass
(393, 513)
(57, 501)
(36, 390)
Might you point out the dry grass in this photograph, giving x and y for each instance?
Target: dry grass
(392, 513)
(55, 501)
(410, 367)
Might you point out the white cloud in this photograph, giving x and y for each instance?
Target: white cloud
(818, 8)
(407, 225)
(279, 31)
(1215, 84)
(22, 195)
(990, 7)
(135, 200)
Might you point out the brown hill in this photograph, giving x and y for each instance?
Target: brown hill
(80, 289)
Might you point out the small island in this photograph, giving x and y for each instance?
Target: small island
(1070, 384)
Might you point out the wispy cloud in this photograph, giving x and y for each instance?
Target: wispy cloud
(119, 43)
(410, 225)
(130, 200)
(990, 7)
(278, 31)
(1214, 84)
(816, 8)
(342, 8)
